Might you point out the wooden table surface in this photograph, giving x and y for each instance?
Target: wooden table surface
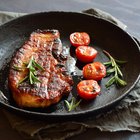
(127, 11)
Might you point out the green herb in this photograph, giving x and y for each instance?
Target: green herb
(114, 68)
(18, 68)
(32, 66)
(73, 104)
(24, 79)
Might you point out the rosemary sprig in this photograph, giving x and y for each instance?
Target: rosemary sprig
(114, 68)
(32, 66)
(72, 104)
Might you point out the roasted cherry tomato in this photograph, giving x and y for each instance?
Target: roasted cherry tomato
(79, 39)
(85, 54)
(88, 89)
(95, 71)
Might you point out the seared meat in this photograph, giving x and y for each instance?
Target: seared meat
(45, 47)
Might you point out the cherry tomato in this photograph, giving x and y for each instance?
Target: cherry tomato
(85, 54)
(79, 39)
(95, 71)
(88, 89)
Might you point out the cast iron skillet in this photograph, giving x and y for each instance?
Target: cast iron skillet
(104, 36)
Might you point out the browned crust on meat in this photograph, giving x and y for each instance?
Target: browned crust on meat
(54, 84)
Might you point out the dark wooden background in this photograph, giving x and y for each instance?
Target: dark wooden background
(127, 11)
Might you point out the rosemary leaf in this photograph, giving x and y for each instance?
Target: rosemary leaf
(77, 104)
(110, 71)
(120, 61)
(107, 63)
(30, 77)
(68, 105)
(22, 80)
(111, 81)
(37, 65)
(32, 69)
(25, 63)
(30, 63)
(121, 82)
(34, 78)
(73, 104)
(119, 71)
(17, 68)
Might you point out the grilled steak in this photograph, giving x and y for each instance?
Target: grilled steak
(46, 49)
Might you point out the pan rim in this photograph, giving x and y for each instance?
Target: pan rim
(80, 112)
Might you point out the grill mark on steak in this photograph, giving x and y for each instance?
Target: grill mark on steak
(46, 48)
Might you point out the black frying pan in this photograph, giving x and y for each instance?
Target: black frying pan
(104, 36)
